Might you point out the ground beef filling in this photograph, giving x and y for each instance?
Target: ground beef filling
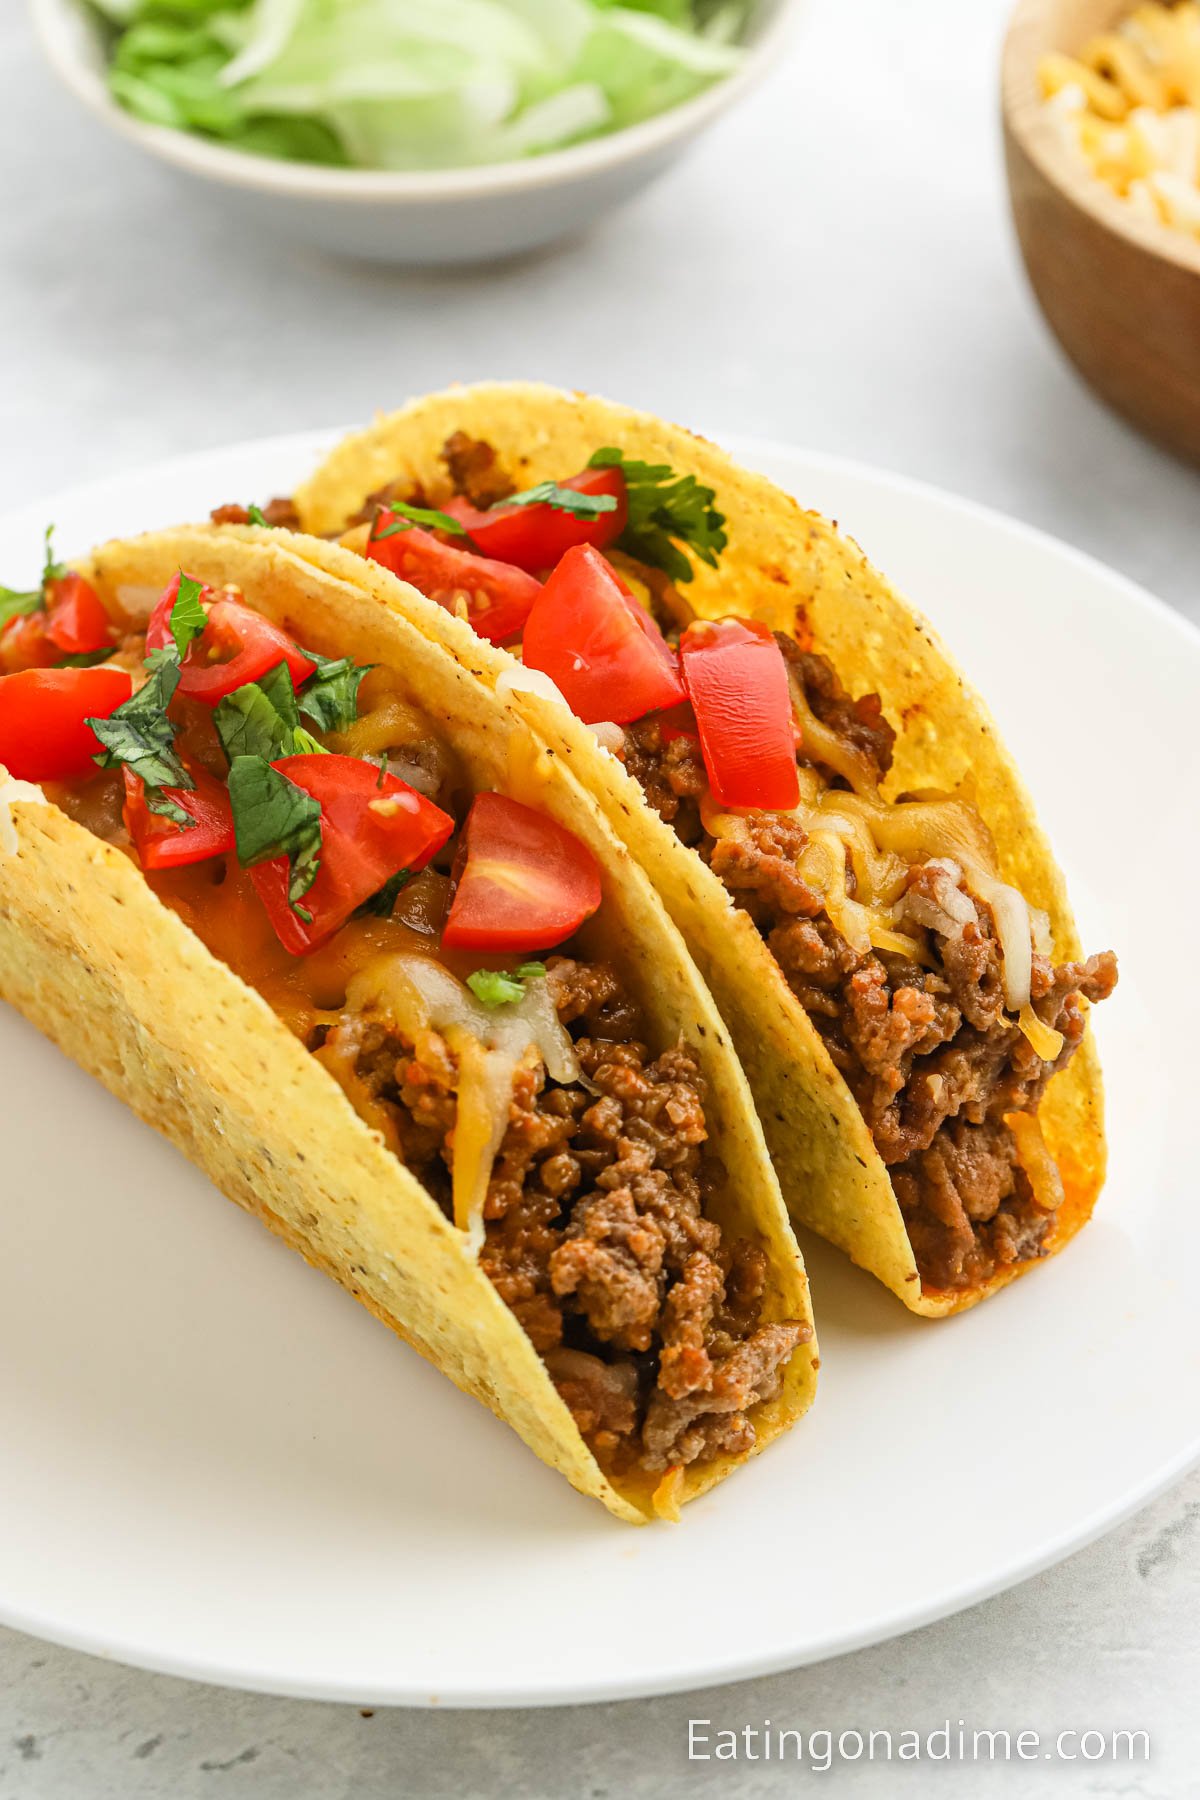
(648, 1320)
(280, 513)
(929, 1054)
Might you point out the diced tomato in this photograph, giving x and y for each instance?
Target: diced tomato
(602, 650)
(44, 734)
(160, 842)
(737, 682)
(369, 831)
(523, 881)
(257, 646)
(498, 596)
(76, 623)
(24, 644)
(71, 622)
(536, 537)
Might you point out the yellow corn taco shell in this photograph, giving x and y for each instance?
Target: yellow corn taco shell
(782, 564)
(97, 962)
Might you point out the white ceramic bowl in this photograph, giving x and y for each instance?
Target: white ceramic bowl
(430, 217)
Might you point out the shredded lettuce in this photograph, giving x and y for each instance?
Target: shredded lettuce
(412, 84)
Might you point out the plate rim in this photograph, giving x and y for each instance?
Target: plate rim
(737, 1666)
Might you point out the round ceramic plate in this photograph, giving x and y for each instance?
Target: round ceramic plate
(217, 1465)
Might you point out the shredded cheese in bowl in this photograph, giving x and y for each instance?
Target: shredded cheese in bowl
(1129, 104)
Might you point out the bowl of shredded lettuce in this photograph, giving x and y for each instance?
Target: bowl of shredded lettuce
(416, 131)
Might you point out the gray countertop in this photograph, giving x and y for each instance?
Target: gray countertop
(832, 267)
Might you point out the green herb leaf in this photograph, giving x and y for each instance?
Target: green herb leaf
(382, 904)
(259, 517)
(140, 736)
(497, 987)
(330, 697)
(51, 570)
(665, 507)
(261, 718)
(548, 493)
(273, 817)
(15, 604)
(413, 515)
(188, 618)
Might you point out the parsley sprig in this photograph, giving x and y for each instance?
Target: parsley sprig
(666, 510)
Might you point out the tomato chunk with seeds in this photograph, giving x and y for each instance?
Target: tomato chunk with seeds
(161, 842)
(256, 646)
(44, 713)
(370, 830)
(602, 650)
(538, 535)
(524, 882)
(76, 622)
(498, 596)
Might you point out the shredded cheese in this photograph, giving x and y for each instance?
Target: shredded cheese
(1034, 1156)
(1129, 105)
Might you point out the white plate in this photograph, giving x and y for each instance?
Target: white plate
(216, 1465)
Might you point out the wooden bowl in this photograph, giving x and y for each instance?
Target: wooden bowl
(1122, 294)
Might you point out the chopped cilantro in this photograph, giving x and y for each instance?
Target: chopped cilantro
(188, 618)
(261, 718)
(665, 507)
(562, 499)
(496, 987)
(273, 817)
(330, 697)
(382, 904)
(15, 604)
(408, 516)
(140, 736)
(259, 517)
(18, 603)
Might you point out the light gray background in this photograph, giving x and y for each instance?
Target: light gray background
(832, 267)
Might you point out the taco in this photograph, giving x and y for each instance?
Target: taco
(821, 799)
(320, 909)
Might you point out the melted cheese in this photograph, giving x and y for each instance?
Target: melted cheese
(490, 1046)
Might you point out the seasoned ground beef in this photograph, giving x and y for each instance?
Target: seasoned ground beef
(670, 774)
(475, 470)
(649, 1321)
(859, 723)
(279, 512)
(929, 1053)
